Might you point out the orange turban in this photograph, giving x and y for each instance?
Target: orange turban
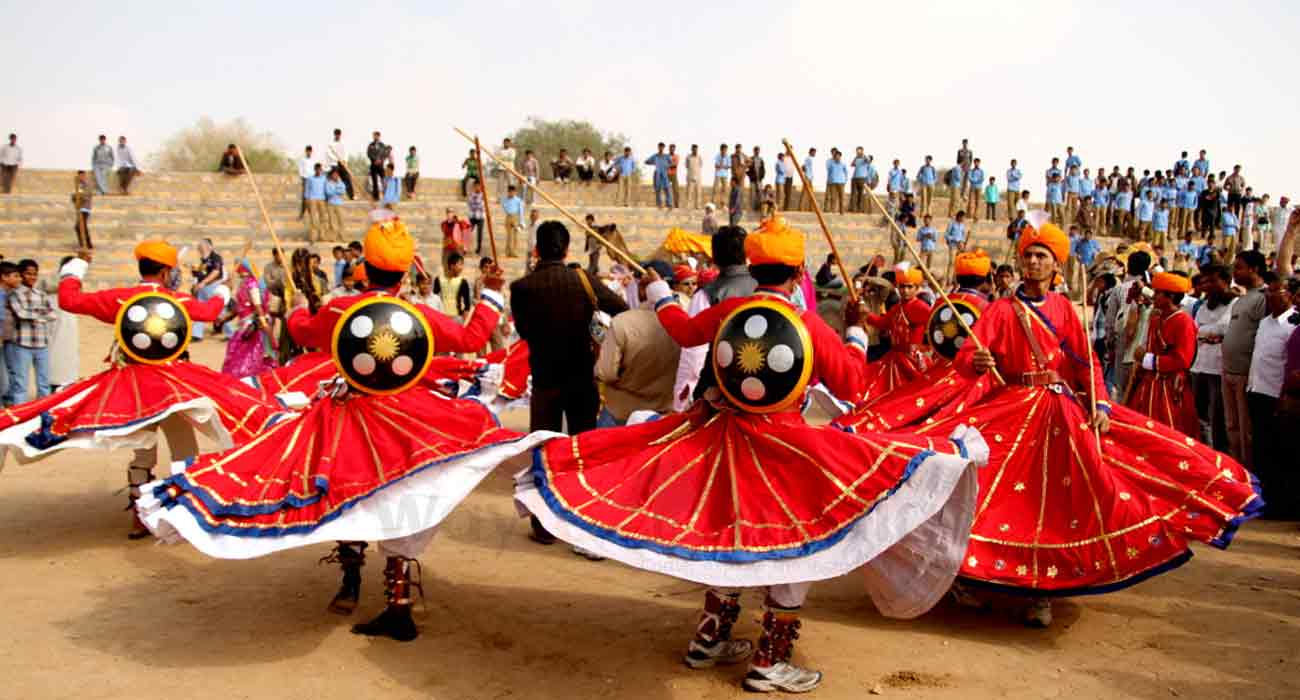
(389, 246)
(1171, 282)
(976, 263)
(158, 251)
(359, 273)
(908, 275)
(1049, 236)
(775, 242)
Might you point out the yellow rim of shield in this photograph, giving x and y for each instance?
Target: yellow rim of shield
(961, 304)
(796, 394)
(126, 347)
(350, 312)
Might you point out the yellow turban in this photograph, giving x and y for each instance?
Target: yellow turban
(389, 246)
(775, 242)
(1049, 236)
(976, 263)
(1171, 282)
(158, 251)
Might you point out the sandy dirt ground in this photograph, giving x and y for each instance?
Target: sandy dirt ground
(87, 615)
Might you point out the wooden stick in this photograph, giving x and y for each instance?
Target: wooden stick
(288, 279)
(812, 197)
(487, 206)
(1092, 369)
(920, 264)
(614, 250)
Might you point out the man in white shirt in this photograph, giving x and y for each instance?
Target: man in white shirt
(11, 156)
(1278, 217)
(694, 165)
(126, 167)
(505, 154)
(336, 158)
(1211, 313)
(1267, 368)
(306, 169)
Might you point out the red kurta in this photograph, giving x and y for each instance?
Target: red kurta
(1166, 393)
(904, 323)
(1057, 515)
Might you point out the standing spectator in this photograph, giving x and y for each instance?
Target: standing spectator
(11, 157)
(1013, 189)
(694, 168)
(1277, 220)
(991, 198)
(476, 206)
(1230, 231)
(928, 237)
(341, 263)
(1018, 224)
(231, 164)
(306, 169)
(1083, 252)
(739, 172)
(809, 191)
(1073, 189)
(335, 188)
(955, 238)
(505, 154)
(65, 347)
(674, 160)
(1235, 184)
(1101, 206)
(895, 184)
(1122, 205)
(1055, 200)
(626, 177)
(412, 175)
(1250, 222)
(562, 168)
(608, 170)
(10, 280)
(452, 288)
(954, 180)
(82, 200)
(586, 166)
(837, 175)
(1238, 348)
(392, 186)
(534, 222)
(975, 184)
(1145, 211)
(1160, 223)
(553, 307)
(926, 177)
(336, 160)
(454, 230)
(1212, 314)
(709, 225)
(126, 166)
(101, 163)
(532, 172)
(1263, 389)
(513, 207)
(721, 175)
(379, 154)
(663, 191)
(1202, 164)
(782, 176)
(964, 159)
(470, 166)
(1187, 202)
(1071, 160)
(1054, 172)
(858, 188)
(209, 278)
(1208, 206)
(757, 171)
(33, 317)
(1183, 166)
(637, 363)
(313, 192)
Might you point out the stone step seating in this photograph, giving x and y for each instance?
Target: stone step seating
(185, 207)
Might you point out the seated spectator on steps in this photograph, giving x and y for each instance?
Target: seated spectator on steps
(231, 163)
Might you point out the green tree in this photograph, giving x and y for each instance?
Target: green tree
(546, 137)
(199, 148)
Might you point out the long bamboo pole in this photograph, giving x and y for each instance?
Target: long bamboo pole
(1092, 368)
(934, 282)
(487, 206)
(289, 287)
(614, 250)
(826, 231)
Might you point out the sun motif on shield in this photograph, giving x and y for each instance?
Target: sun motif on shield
(751, 357)
(384, 345)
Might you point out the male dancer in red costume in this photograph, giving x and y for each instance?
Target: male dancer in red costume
(904, 323)
(129, 402)
(1164, 389)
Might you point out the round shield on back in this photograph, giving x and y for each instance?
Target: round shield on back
(763, 356)
(382, 345)
(152, 328)
(944, 331)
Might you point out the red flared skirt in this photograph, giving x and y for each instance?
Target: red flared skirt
(893, 370)
(1167, 398)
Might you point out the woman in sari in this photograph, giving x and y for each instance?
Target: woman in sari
(250, 350)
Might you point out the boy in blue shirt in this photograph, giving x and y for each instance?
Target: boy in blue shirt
(392, 187)
(928, 237)
(1230, 224)
(313, 194)
(513, 206)
(1146, 211)
(976, 179)
(991, 198)
(1122, 206)
(1186, 208)
(926, 177)
(1160, 223)
(955, 237)
(953, 181)
(1072, 190)
(1056, 200)
(335, 189)
(1013, 189)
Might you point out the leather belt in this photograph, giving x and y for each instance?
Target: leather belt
(1046, 377)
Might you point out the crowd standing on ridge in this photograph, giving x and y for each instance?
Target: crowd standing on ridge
(1188, 341)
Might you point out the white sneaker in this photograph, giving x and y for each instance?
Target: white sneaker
(783, 677)
(1039, 613)
(720, 653)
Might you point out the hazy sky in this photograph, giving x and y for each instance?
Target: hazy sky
(1123, 82)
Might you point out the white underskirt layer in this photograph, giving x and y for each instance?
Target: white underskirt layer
(910, 547)
(200, 412)
(821, 397)
(401, 509)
